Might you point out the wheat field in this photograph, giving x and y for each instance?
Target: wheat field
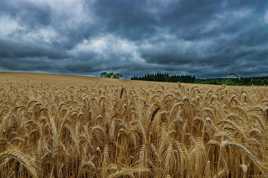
(78, 127)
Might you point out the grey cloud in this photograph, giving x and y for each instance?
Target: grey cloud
(206, 37)
(10, 49)
(27, 64)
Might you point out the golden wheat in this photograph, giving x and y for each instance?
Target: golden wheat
(75, 127)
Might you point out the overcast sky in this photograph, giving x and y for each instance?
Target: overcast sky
(200, 37)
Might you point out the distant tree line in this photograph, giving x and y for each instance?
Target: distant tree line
(110, 75)
(165, 77)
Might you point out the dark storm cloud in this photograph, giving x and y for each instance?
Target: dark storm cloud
(11, 49)
(30, 13)
(26, 64)
(205, 37)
